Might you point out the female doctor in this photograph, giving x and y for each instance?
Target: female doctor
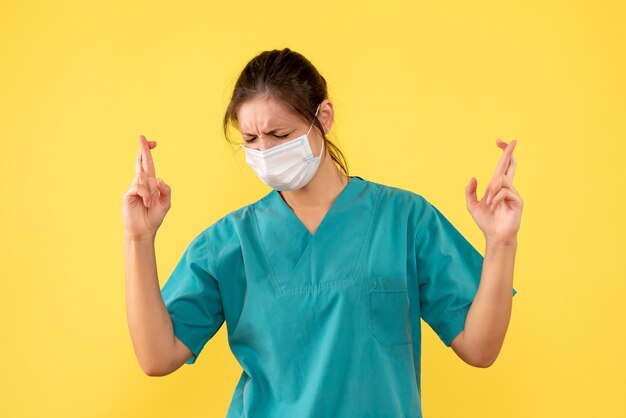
(322, 282)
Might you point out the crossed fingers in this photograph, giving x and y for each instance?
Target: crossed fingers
(507, 163)
(144, 162)
(501, 184)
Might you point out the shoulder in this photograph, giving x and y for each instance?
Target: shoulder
(397, 194)
(400, 200)
(230, 225)
(220, 243)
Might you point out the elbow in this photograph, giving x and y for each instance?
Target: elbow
(486, 359)
(483, 363)
(152, 369)
(153, 372)
(486, 355)
(482, 357)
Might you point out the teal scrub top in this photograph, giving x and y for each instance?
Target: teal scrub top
(326, 324)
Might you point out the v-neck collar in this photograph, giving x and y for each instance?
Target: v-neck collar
(298, 260)
(295, 222)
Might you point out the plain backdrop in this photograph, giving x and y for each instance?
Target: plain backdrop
(421, 91)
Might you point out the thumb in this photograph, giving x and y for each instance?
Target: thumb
(470, 192)
(164, 189)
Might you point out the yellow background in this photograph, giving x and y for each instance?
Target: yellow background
(421, 92)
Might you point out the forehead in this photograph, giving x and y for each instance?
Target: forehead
(263, 112)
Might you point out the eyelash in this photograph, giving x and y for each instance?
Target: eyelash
(279, 137)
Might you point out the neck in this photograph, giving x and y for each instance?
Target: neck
(321, 190)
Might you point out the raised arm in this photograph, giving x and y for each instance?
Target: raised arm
(498, 215)
(145, 204)
(158, 351)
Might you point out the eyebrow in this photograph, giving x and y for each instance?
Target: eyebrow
(266, 133)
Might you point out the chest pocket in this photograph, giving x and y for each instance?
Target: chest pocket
(389, 310)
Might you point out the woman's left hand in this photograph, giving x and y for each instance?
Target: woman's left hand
(498, 214)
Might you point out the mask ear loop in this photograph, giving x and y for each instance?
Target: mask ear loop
(312, 122)
(307, 134)
(322, 151)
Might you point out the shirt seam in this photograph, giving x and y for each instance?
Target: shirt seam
(419, 230)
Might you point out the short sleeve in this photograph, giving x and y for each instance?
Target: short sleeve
(192, 297)
(449, 269)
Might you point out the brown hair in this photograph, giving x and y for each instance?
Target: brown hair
(289, 77)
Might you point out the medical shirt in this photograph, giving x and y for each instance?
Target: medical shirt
(326, 324)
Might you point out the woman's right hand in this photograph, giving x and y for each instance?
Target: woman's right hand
(147, 200)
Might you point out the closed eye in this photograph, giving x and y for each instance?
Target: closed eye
(277, 136)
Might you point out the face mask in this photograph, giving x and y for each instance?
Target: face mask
(288, 166)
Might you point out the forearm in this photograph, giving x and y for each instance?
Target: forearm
(489, 315)
(149, 322)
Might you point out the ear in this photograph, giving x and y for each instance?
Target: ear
(326, 115)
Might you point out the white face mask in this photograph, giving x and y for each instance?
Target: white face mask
(288, 166)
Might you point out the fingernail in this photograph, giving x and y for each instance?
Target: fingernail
(488, 198)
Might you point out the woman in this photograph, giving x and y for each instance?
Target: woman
(323, 281)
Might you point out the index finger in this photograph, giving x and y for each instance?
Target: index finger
(138, 163)
(510, 171)
(147, 164)
(505, 160)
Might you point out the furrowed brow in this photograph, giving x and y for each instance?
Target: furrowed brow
(266, 133)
